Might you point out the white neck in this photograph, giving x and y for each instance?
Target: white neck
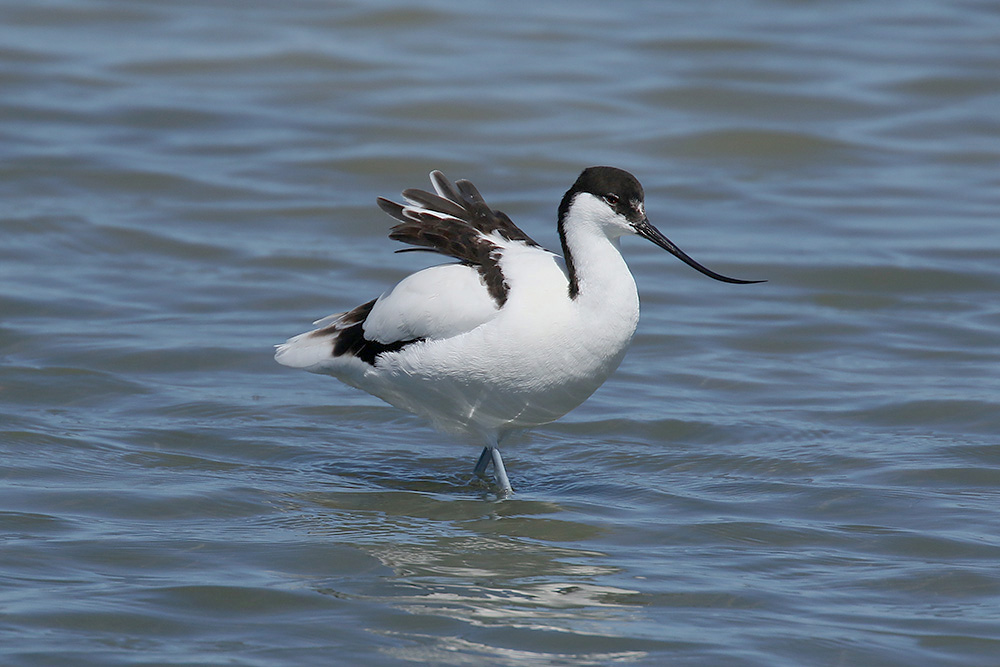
(592, 251)
(604, 288)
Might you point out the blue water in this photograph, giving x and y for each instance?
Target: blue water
(802, 472)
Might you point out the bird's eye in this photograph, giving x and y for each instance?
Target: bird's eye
(611, 198)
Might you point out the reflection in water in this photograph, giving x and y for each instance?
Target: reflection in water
(480, 571)
(457, 651)
(490, 582)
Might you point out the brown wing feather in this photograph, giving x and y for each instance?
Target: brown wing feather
(457, 239)
(456, 222)
(462, 201)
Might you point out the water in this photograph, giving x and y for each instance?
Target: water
(804, 472)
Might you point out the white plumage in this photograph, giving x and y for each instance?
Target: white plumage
(510, 337)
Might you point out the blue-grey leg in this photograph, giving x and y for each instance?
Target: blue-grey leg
(485, 459)
(492, 455)
(500, 473)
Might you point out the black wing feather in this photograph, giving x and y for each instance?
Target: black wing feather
(456, 222)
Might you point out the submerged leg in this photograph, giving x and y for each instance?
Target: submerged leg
(492, 455)
(484, 460)
(500, 473)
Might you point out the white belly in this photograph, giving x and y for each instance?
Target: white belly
(540, 357)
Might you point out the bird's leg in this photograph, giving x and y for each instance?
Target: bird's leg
(491, 454)
(500, 473)
(484, 460)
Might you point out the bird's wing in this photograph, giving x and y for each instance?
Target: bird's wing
(457, 222)
(438, 302)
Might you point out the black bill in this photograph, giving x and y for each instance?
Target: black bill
(648, 231)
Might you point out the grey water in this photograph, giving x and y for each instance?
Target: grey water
(800, 472)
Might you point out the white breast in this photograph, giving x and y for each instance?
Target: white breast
(537, 358)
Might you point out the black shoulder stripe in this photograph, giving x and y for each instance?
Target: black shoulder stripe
(349, 336)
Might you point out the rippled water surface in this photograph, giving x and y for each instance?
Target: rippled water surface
(803, 472)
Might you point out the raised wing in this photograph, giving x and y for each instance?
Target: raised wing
(456, 222)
